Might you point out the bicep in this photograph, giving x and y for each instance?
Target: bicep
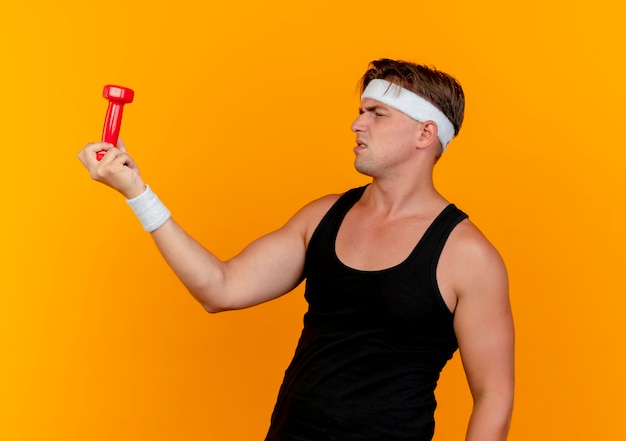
(273, 265)
(266, 269)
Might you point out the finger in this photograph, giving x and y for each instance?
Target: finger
(110, 155)
(87, 154)
(98, 146)
(128, 160)
(93, 147)
(118, 158)
(121, 145)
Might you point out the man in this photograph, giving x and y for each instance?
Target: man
(396, 277)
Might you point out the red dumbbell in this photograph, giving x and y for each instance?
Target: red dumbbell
(117, 96)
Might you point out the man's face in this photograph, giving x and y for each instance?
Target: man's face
(386, 138)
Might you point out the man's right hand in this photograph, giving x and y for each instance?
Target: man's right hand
(116, 169)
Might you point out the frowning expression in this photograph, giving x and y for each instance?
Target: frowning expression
(385, 138)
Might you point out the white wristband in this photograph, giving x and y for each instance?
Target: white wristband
(149, 209)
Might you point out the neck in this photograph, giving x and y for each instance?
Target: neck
(397, 196)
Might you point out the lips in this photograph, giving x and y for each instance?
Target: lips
(359, 147)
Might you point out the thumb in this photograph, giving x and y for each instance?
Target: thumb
(120, 145)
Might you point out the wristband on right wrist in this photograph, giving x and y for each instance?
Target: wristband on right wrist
(149, 209)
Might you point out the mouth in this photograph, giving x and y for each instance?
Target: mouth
(360, 145)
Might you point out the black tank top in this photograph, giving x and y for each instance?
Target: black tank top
(373, 343)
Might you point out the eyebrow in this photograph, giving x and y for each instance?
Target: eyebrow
(373, 108)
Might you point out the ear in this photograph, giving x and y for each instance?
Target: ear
(427, 135)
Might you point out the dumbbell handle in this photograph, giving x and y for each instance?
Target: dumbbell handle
(117, 96)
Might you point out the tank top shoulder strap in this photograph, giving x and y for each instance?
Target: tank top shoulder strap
(339, 209)
(323, 237)
(437, 234)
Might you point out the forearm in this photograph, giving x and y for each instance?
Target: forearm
(490, 419)
(198, 269)
(267, 268)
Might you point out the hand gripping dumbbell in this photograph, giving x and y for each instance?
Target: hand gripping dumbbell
(117, 96)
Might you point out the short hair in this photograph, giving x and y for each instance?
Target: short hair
(439, 88)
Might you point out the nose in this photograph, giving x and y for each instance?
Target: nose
(357, 124)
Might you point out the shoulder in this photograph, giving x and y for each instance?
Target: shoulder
(317, 208)
(468, 242)
(308, 217)
(472, 261)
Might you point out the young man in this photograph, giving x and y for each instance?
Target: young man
(396, 277)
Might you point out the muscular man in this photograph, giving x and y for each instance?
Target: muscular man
(396, 277)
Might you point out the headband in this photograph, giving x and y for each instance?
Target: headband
(412, 105)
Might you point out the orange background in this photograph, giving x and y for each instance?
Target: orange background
(241, 116)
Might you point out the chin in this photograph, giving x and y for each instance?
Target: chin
(364, 170)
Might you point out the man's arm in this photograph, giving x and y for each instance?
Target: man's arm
(484, 327)
(267, 268)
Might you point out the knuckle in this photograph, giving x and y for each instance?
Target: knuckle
(100, 173)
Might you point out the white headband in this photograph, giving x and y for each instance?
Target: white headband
(412, 105)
